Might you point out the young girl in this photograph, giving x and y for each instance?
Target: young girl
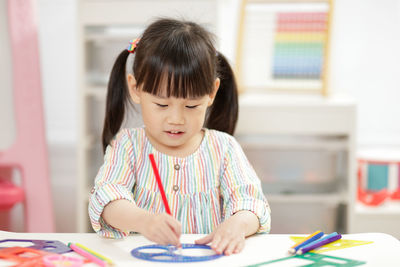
(189, 106)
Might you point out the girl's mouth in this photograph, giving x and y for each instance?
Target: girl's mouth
(174, 133)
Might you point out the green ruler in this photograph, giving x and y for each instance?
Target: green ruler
(316, 260)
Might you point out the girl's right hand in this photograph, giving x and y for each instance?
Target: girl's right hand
(162, 228)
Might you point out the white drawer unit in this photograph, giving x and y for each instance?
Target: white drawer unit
(303, 149)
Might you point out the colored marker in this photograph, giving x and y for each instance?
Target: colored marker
(306, 241)
(320, 242)
(95, 254)
(160, 186)
(87, 255)
(61, 260)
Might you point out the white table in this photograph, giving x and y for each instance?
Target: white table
(384, 251)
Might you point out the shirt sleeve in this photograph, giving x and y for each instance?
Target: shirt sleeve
(114, 181)
(241, 188)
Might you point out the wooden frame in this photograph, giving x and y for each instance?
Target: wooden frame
(308, 83)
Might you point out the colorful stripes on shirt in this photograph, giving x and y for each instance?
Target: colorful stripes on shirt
(202, 189)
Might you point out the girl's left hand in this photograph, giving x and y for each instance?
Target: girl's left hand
(228, 238)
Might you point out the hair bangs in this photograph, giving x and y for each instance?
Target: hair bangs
(178, 74)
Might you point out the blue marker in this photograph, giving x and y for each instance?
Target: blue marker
(306, 241)
(319, 243)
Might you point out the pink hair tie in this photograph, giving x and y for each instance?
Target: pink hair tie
(132, 45)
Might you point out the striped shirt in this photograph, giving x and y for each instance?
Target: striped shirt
(202, 189)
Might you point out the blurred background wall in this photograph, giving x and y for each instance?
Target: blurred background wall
(364, 63)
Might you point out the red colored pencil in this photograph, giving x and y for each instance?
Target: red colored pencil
(160, 186)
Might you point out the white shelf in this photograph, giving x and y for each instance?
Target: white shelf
(99, 92)
(112, 33)
(90, 141)
(330, 198)
(296, 115)
(292, 142)
(293, 100)
(276, 129)
(96, 80)
(122, 12)
(384, 218)
(387, 208)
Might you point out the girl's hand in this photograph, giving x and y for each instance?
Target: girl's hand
(229, 237)
(161, 228)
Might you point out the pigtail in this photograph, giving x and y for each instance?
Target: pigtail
(116, 96)
(223, 113)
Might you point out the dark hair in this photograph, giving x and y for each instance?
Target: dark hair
(182, 54)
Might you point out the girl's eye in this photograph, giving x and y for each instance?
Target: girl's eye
(192, 106)
(161, 106)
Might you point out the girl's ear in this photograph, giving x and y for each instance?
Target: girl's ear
(133, 90)
(217, 82)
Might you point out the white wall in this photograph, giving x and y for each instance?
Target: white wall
(365, 63)
(57, 40)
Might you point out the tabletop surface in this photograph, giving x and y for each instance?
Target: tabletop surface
(383, 251)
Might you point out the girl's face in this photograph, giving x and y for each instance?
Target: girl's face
(173, 125)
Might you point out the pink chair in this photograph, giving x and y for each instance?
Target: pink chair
(28, 153)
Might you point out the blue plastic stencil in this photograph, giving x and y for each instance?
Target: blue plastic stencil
(52, 246)
(169, 254)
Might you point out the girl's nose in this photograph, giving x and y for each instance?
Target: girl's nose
(176, 117)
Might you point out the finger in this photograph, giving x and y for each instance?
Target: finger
(163, 238)
(239, 247)
(159, 238)
(205, 240)
(175, 225)
(169, 222)
(222, 245)
(176, 231)
(215, 242)
(173, 239)
(168, 236)
(230, 247)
